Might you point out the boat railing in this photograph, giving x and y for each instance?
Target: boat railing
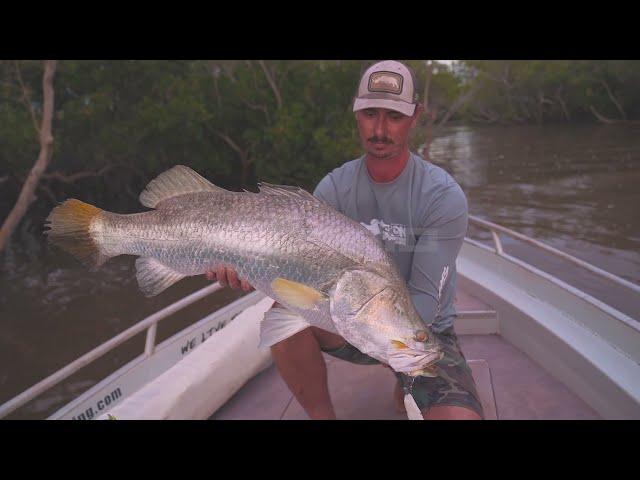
(494, 228)
(150, 323)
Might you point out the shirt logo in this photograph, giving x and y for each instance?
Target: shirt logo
(392, 232)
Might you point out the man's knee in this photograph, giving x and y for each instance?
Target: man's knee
(295, 341)
(327, 340)
(308, 336)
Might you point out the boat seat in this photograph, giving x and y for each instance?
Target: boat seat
(474, 317)
(484, 385)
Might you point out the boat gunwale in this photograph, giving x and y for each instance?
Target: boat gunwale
(599, 304)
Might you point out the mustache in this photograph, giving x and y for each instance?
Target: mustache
(375, 139)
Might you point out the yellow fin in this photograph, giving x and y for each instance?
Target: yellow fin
(70, 229)
(296, 294)
(398, 344)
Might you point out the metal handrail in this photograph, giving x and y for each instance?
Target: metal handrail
(494, 228)
(150, 323)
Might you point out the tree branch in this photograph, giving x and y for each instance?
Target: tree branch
(245, 161)
(69, 179)
(229, 141)
(49, 193)
(262, 108)
(26, 99)
(427, 85)
(272, 83)
(562, 103)
(599, 116)
(614, 99)
(27, 196)
(459, 102)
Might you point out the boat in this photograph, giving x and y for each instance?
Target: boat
(538, 347)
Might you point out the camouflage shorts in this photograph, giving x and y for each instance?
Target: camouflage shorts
(454, 384)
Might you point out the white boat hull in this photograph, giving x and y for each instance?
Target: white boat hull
(202, 382)
(590, 347)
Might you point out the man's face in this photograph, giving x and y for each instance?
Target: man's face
(384, 133)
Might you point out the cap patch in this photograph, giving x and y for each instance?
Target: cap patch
(389, 82)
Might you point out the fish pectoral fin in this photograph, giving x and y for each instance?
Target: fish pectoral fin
(399, 345)
(155, 277)
(179, 180)
(296, 294)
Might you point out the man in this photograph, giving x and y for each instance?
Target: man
(420, 214)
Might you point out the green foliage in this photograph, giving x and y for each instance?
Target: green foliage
(236, 122)
(239, 122)
(553, 90)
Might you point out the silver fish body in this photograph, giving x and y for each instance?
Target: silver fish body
(285, 242)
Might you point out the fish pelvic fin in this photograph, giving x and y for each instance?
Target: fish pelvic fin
(296, 294)
(179, 180)
(70, 228)
(154, 277)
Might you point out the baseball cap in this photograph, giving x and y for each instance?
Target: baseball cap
(388, 84)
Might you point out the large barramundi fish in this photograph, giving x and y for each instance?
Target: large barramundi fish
(291, 246)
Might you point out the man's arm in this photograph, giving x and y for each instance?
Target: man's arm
(431, 283)
(326, 191)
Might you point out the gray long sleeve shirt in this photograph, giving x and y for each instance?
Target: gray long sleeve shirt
(420, 217)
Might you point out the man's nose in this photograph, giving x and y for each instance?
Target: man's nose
(380, 127)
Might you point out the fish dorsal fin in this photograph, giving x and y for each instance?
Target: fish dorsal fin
(154, 277)
(179, 180)
(286, 191)
(296, 294)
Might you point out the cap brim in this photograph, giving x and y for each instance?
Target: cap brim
(397, 105)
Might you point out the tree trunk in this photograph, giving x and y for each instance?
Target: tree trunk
(601, 117)
(245, 161)
(27, 196)
(459, 102)
(272, 83)
(429, 113)
(563, 105)
(539, 108)
(525, 109)
(614, 99)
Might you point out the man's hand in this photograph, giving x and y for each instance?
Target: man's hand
(228, 276)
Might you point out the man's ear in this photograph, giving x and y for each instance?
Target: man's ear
(417, 113)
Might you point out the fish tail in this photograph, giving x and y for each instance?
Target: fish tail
(72, 228)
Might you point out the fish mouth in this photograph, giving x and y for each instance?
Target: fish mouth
(416, 359)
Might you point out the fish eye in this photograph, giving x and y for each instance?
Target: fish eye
(421, 336)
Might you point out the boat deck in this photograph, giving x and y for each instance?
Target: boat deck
(510, 384)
